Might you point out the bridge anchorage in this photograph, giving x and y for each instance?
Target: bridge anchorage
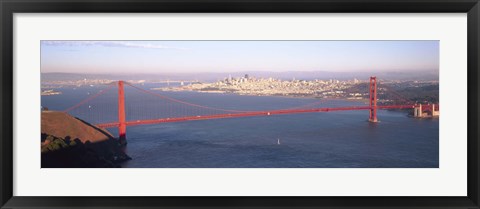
(174, 110)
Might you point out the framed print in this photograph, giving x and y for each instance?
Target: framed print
(265, 104)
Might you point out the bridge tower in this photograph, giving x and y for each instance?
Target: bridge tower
(373, 99)
(122, 124)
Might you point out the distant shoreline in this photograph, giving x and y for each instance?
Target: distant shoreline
(262, 95)
(50, 93)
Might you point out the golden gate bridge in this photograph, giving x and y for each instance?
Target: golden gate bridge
(168, 109)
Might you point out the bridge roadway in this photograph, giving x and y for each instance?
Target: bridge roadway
(250, 114)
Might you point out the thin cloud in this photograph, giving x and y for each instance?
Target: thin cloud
(124, 44)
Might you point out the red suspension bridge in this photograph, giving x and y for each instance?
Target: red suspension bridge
(158, 108)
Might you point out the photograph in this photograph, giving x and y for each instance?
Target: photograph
(239, 103)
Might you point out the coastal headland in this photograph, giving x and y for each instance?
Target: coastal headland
(67, 141)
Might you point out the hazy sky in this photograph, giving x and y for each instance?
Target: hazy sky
(234, 56)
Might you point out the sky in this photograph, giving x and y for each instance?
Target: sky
(124, 57)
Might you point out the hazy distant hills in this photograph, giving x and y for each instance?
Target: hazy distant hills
(287, 75)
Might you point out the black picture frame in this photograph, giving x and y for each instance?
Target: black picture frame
(10, 7)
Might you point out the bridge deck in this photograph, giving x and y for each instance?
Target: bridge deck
(249, 114)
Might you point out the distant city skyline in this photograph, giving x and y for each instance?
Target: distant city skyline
(152, 57)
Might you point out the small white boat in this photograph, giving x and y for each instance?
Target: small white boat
(278, 141)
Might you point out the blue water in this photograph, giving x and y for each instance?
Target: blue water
(311, 140)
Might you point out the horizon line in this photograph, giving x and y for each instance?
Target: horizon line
(290, 71)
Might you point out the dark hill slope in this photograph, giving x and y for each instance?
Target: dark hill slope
(68, 142)
(63, 125)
